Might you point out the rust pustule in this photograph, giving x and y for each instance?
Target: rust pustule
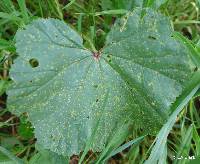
(96, 55)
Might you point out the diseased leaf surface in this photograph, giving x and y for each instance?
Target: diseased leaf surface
(65, 89)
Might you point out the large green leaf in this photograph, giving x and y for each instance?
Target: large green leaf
(66, 89)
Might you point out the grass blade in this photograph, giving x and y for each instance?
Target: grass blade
(112, 12)
(194, 112)
(9, 17)
(59, 9)
(184, 148)
(107, 12)
(69, 4)
(7, 6)
(24, 11)
(163, 156)
(11, 156)
(187, 22)
(124, 146)
(196, 139)
(6, 45)
(79, 23)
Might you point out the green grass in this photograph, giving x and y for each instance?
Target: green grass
(93, 19)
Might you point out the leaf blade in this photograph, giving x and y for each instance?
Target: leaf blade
(64, 87)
